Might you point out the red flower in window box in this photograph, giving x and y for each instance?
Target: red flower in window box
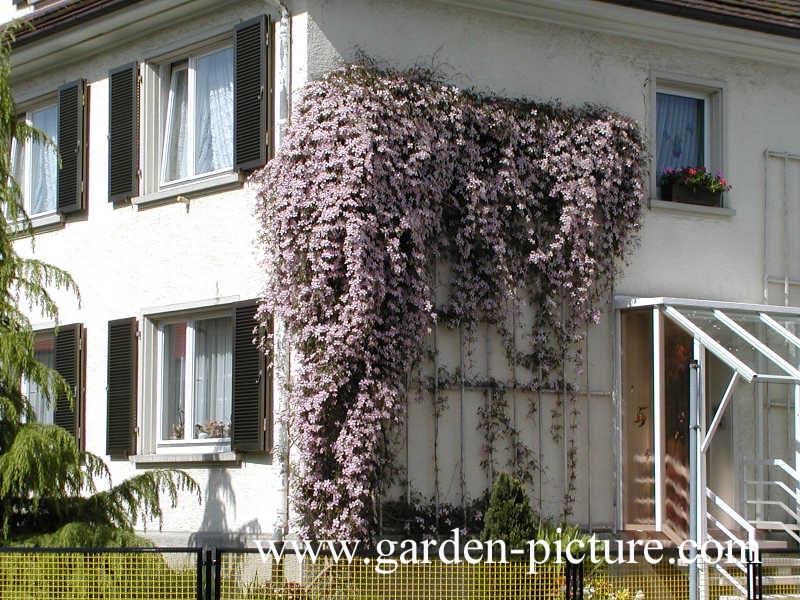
(693, 185)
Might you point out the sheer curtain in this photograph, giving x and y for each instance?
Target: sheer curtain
(680, 131)
(175, 154)
(214, 112)
(173, 365)
(213, 349)
(45, 354)
(44, 163)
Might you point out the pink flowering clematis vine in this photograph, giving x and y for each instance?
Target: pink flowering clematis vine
(379, 172)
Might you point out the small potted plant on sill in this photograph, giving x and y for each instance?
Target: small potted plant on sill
(693, 185)
(211, 429)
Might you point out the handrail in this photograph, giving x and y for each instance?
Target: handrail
(719, 525)
(779, 504)
(740, 520)
(792, 473)
(731, 579)
(776, 462)
(789, 492)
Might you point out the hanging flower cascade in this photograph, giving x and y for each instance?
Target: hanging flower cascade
(379, 173)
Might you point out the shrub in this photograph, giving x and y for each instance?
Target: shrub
(509, 516)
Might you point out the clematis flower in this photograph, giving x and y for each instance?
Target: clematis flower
(386, 178)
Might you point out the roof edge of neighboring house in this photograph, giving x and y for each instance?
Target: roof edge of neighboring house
(63, 15)
(708, 16)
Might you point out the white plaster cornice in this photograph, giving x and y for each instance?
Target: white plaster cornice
(649, 26)
(76, 43)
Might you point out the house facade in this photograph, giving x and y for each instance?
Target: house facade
(169, 105)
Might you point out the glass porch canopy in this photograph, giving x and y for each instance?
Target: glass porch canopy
(759, 342)
(669, 413)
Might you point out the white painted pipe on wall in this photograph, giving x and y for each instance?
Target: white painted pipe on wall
(281, 117)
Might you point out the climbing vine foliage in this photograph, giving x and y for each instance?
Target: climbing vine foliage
(379, 173)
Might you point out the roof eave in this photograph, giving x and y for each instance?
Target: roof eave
(708, 16)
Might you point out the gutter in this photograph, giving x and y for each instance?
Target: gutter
(64, 15)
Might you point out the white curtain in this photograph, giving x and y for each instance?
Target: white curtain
(18, 164)
(214, 112)
(175, 154)
(44, 411)
(44, 163)
(680, 131)
(173, 365)
(213, 341)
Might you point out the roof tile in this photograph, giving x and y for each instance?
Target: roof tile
(780, 17)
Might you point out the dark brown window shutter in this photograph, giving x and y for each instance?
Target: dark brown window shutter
(69, 363)
(252, 383)
(121, 388)
(250, 94)
(123, 133)
(72, 146)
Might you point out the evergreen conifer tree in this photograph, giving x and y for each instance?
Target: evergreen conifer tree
(49, 492)
(509, 516)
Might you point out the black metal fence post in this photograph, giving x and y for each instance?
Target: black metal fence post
(209, 560)
(218, 574)
(574, 580)
(199, 573)
(754, 577)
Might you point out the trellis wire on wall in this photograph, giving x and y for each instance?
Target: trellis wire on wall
(440, 385)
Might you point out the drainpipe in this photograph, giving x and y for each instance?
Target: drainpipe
(282, 354)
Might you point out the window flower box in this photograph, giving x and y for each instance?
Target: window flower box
(679, 192)
(693, 186)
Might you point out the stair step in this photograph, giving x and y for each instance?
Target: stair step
(780, 561)
(773, 525)
(766, 580)
(772, 545)
(765, 597)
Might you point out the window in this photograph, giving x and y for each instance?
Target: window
(52, 189)
(682, 130)
(205, 386)
(687, 122)
(198, 128)
(203, 109)
(45, 353)
(35, 164)
(62, 350)
(195, 379)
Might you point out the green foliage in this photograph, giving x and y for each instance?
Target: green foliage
(509, 516)
(48, 492)
(695, 178)
(420, 518)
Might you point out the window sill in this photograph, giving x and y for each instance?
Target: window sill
(209, 458)
(42, 223)
(691, 209)
(189, 190)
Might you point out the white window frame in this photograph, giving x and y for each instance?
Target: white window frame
(713, 92)
(154, 99)
(26, 183)
(706, 97)
(48, 329)
(188, 445)
(191, 108)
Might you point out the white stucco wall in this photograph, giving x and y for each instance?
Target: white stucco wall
(126, 260)
(681, 254)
